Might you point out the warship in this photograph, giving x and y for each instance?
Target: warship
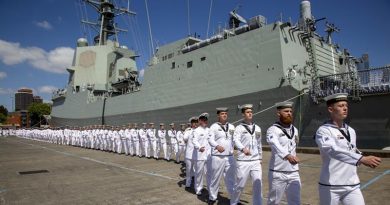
(250, 61)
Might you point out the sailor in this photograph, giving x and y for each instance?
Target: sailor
(143, 139)
(135, 138)
(202, 149)
(222, 160)
(163, 141)
(180, 142)
(173, 140)
(189, 154)
(127, 144)
(247, 139)
(152, 139)
(283, 175)
(123, 144)
(339, 181)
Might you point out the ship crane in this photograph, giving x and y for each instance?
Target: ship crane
(330, 29)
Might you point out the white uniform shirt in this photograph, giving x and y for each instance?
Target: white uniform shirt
(172, 136)
(180, 138)
(283, 141)
(200, 139)
(134, 135)
(162, 136)
(339, 156)
(221, 135)
(142, 135)
(188, 135)
(248, 136)
(151, 134)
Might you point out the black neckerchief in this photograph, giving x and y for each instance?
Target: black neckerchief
(223, 128)
(278, 125)
(346, 135)
(247, 128)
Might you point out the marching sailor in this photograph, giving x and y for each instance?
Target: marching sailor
(173, 140)
(339, 181)
(189, 154)
(283, 175)
(152, 139)
(163, 140)
(180, 142)
(202, 149)
(247, 139)
(222, 160)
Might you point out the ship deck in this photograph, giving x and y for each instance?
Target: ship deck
(82, 176)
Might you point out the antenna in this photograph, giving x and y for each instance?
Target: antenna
(330, 29)
(208, 23)
(188, 17)
(108, 11)
(150, 28)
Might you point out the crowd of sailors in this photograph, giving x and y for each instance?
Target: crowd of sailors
(208, 152)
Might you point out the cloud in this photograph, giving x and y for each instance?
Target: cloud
(3, 75)
(43, 24)
(55, 61)
(47, 89)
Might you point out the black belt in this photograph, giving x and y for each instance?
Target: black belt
(283, 171)
(224, 155)
(251, 160)
(337, 185)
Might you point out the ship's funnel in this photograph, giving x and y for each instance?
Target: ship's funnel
(305, 13)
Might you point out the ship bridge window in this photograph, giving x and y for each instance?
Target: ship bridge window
(203, 58)
(189, 64)
(173, 65)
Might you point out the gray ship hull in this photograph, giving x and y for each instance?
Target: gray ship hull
(372, 126)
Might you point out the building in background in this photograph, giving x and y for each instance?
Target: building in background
(37, 99)
(23, 99)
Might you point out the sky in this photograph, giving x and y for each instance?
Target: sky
(37, 38)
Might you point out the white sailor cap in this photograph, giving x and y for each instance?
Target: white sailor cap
(330, 99)
(282, 105)
(204, 115)
(135, 124)
(222, 109)
(172, 124)
(151, 123)
(162, 124)
(193, 118)
(144, 123)
(246, 106)
(182, 125)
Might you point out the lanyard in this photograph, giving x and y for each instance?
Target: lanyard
(247, 128)
(346, 135)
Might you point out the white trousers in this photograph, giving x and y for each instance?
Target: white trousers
(180, 151)
(173, 150)
(221, 166)
(243, 171)
(347, 195)
(199, 174)
(145, 145)
(190, 171)
(164, 149)
(118, 146)
(284, 182)
(136, 148)
(153, 146)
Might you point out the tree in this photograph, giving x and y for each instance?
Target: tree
(36, 112)
(3, 114)
(3, 110)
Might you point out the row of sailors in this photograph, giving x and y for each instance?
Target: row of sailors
(129, 139)
(209, 154)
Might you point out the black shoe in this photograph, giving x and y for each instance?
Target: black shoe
(211, 202)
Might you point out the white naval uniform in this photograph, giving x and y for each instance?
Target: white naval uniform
(222, 163)
(127, 144)
(152, 140)
(163, 142)
(144, 141)
(181, 145)
(189, 156)
(339, 181)
(248, 136)
(200, 139)
(173, 140)
(135, 138)
(283, 177)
